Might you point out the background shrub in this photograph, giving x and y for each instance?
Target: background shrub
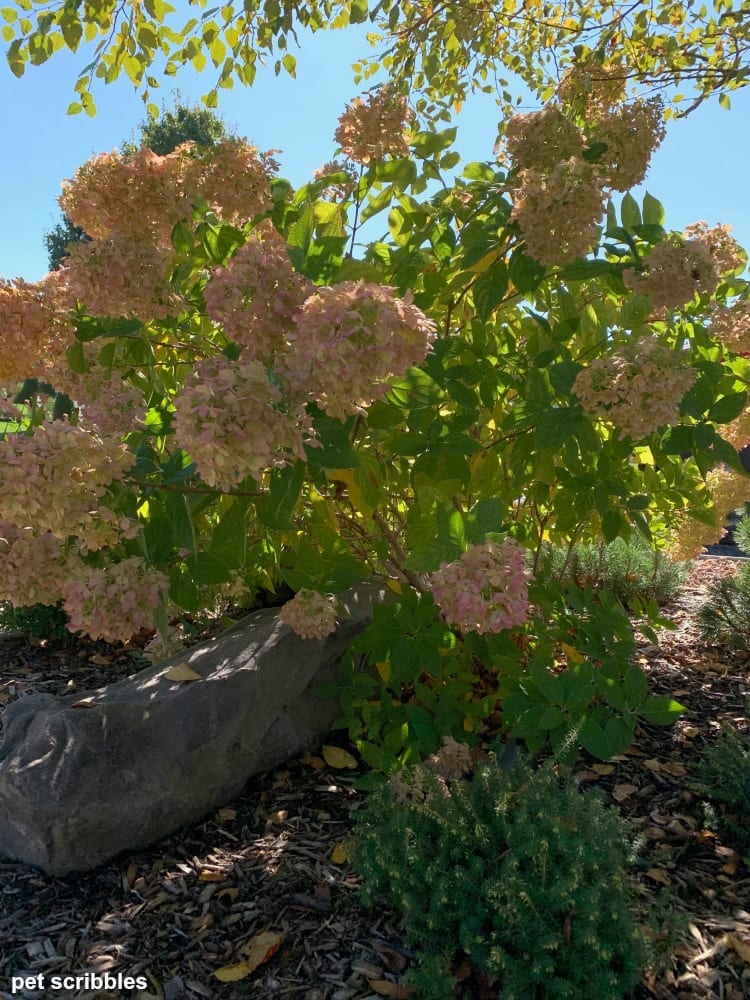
(39, 621)
(631, 569)
(724, 778)
(725, 617)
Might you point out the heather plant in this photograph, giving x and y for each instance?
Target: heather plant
(223, 390)
(516, 871)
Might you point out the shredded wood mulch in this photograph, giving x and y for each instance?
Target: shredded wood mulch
(267, 877)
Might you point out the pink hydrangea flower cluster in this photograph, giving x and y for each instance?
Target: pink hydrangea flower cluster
(228, 418)
(55, 479)
(342, 190)
(33, 567)
(130, 205)
(115, 602)
(310, 614)
(36, 326)
(558, 196)
(374, 128)
(348, 341)
(639, 387)
(486, 590)
(257, 294)
(107, 402)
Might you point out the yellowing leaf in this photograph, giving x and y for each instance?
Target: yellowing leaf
(469, 724)
(181, 672)
(339, 854)
(347, 477)
(262, 946)
(338, 758)
(571, 653)
(394, 585)
(384, 669)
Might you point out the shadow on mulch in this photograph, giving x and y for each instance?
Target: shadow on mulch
(273, 861)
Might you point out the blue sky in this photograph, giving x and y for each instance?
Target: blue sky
(699, 173)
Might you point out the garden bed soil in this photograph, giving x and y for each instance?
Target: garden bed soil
(274, 861)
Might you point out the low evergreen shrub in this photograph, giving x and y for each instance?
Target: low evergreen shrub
(516, 870)
(725, 617)
(724, 778)
(631, 569)
(39, 621)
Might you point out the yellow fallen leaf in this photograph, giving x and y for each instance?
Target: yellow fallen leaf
(385, 988)
(602, 768)
(181, 672)
(208, 875)
(83, 703)
(659, 875)
(622, 792)
(741, 947)
(339, 854)
(233, 973)
(338, 758)
(262, 946)
(226, 814)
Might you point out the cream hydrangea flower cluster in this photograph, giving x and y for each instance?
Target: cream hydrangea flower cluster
(55, 479)
(676, 270)
(105, 400)
(638, 387)
(592, 89)
(349, 341)
(33, 566)
(486, 590)
(310, 614)
(558, 210)
(631, 132)
(342, 190)
(228, 420)
(256, 296)
(726, 253)
(731, 325)
(115, 602)
(729, 490)
(558, 196)
(36, 326)
(374, 128)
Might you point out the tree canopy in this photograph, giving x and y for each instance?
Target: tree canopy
(440, 51)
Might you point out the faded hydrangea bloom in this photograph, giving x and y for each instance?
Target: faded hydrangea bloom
(341, 190)
(726, 253)
(676, 270)
(310, 614)
(639, 387)
(452, 761)
(56, 478)
(257, 294)
(36, 326)
(33, 566)
(486, 590)
(228, 418)
(632, 133)
(592, 89)
(558, 211)
(374, 128)
(689, 537)
(731, 325)
(348, 342)
(115, 602)
(542, 139)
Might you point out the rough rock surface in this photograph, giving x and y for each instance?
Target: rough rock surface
(84, 778)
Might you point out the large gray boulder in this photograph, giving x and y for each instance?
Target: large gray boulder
(141, 757)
